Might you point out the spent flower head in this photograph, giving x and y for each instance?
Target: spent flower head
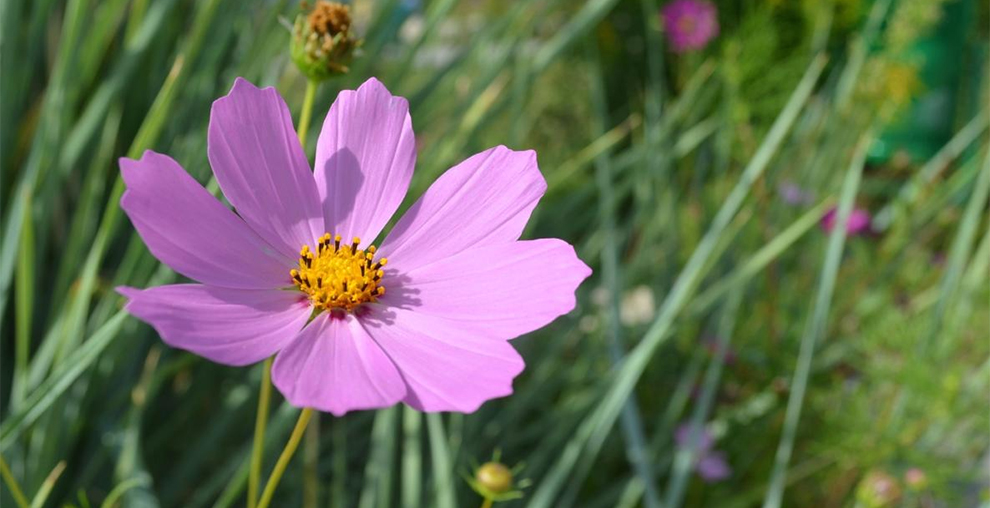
(295, 274)
(323, 42)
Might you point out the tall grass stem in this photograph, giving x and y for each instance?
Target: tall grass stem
(816, 325)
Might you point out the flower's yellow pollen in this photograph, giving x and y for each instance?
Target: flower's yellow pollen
(339, 278)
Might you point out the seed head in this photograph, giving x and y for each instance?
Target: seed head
(323, 42)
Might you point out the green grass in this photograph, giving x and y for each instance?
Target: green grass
(815, 360)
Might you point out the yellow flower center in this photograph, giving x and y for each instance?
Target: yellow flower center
(340, 277)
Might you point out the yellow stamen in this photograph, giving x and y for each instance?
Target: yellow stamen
(339, 278)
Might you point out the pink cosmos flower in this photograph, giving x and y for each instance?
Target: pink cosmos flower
(859, 221)
(689, 24)
(293, 273)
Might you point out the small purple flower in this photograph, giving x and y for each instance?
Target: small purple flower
(689, 24)
(710, 464)
(859, 221)
(293, 273)
(713, 467)
(793, 194)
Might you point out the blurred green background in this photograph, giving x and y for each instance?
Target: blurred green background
(828, 370)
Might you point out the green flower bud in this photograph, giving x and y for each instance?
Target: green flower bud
(322, 41)
(494, 477)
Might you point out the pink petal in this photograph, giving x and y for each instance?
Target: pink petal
(193, 233)
(502, 290)
(228, 326)
(261, 167)
(364, 160)
(486, 199)
(334, 366)
(444, 368)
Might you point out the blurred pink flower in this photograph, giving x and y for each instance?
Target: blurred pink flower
(793, 194)
(859, 221)
(460, 282)
(710, 464)
(689, 24)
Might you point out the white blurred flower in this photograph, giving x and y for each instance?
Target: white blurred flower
(638, 306)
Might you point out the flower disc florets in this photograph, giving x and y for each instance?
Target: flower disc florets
(322, 41)
(339, 277)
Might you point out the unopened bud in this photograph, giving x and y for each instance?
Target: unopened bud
(494, 477)
(323, 43)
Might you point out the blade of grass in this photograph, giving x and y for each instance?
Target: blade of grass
(959, 253)
(685, 458)
(412, 458)
(590, 435)
(149, 131)
(632, 424)
(816, 326)
(46, 487)
(122, 488)
(443, 470)
(758, 261)
(23, 307)
(338, 479)
(911, 190)
(15, 489)
(42, 397)
(45, 142)
(378, 471)
(584, 20)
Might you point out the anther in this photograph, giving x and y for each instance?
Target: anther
(352, 275)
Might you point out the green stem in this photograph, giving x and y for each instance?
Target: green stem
(307, 110)
(311, 455)
(264, 396)
(260, 421)
(488, 503)
(312, 447)
(285, 457)
(11, 482)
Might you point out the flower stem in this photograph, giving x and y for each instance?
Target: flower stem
(487, 503)
(285, 457)
(307, 110)
(312, 446)
(260, 421)
(15, 489)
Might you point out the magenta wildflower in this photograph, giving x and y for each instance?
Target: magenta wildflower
(294, 273)
(710, 464)
(859, 221)
(689, 24)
